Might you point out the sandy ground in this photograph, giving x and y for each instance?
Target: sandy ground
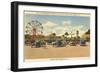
(56, 52)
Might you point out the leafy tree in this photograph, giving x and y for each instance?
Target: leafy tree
(88, 32)
(66, 34)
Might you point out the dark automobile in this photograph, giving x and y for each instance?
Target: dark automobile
(82, 43)
(60, 43)
(72, 43)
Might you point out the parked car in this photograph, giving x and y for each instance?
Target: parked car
(82, 43)
(72, 43)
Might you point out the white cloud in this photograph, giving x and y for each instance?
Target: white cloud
(66, 26)
(49, 24)
(66, 22)
(49, 27)
(59, 29)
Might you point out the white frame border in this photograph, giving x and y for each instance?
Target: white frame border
(48, 63)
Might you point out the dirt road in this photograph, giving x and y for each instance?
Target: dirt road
(56, 52)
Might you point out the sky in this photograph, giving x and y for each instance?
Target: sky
(60, 24)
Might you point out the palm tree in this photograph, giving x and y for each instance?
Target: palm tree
(88, 32)
(66, 34)
(87, 35)
(53, 34)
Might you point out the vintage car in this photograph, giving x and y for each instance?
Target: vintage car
(82, 43)
(73, 43)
